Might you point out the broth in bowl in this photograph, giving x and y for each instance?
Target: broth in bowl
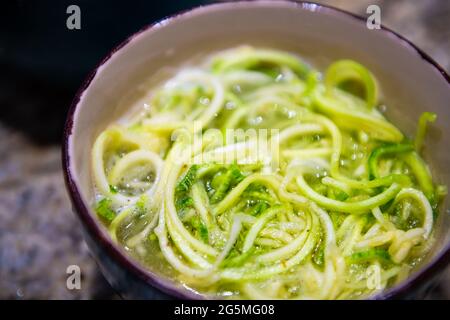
(254, 175)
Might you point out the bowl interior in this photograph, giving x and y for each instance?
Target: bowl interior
(409, 83)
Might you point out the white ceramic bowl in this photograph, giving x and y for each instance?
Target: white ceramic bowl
(410, 82)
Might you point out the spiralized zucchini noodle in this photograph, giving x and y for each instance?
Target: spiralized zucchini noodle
(340, 205)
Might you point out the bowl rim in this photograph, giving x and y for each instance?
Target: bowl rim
(434, 266)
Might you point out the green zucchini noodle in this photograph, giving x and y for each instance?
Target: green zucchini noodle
(338, 204)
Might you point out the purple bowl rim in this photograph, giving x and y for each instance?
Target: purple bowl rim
(439, 262)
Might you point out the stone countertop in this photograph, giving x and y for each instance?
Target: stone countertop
(40, 236)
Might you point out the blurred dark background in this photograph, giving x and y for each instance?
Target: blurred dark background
(42, 65)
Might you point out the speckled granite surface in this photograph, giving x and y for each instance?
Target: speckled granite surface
(39, 235)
